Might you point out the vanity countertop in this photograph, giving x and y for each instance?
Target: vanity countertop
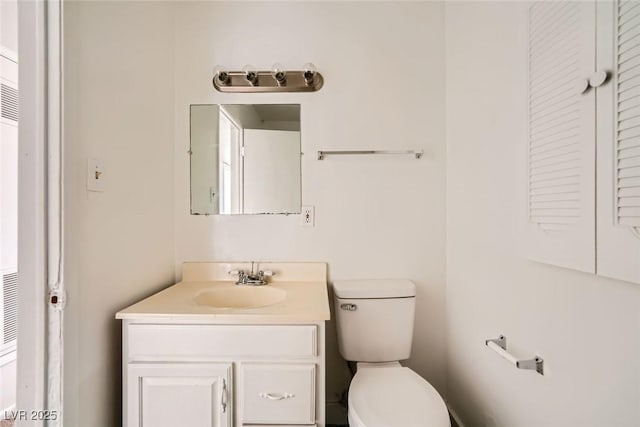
(304, 283)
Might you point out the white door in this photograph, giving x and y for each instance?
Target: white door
(179, 394)
(560, 227)
(619, 141)
(8, 231)
(271, 171)
(39, 347)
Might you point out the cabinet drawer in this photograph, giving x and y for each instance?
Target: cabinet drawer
(195, 342)
(278, 394)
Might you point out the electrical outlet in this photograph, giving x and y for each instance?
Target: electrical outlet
(308, 216)
(95, 175)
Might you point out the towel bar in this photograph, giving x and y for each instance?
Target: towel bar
(416, 153)
(499, 345)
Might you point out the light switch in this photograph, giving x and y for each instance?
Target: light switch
(95, 175)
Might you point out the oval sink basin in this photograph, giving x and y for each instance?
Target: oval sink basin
(240, 297)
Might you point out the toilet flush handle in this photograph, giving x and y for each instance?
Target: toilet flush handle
(349, 307)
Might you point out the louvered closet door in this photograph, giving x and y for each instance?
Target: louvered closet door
(619, 141)
(561, 135)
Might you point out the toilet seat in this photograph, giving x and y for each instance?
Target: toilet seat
(394, 397)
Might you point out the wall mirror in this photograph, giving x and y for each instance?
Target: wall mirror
(245, 159)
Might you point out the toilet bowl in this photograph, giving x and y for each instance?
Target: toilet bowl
(394, 396)
(375, 329)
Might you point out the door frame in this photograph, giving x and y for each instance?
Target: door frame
(39, 370)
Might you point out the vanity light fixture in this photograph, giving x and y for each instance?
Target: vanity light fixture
(278, 79)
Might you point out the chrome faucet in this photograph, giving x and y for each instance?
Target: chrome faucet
(252, 278)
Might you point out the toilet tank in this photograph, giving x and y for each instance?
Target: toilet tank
(374, 319)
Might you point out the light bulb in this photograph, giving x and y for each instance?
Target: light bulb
(222, 75)
(251, 74)
(309, 72)
(279, 74)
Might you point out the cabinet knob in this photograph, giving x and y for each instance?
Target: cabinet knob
(598, 78)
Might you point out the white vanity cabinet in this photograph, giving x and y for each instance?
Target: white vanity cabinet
(206, 352)
(223, 375)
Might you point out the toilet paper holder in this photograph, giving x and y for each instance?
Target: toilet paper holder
(499, 345)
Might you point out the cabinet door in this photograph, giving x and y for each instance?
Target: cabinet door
(619, 141)
(178, 394)
(560, 227)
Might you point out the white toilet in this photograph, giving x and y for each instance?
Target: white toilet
(375, 329)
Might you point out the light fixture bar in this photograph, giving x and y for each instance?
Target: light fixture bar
(295, 82)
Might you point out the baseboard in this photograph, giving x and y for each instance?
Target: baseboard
(455, 416)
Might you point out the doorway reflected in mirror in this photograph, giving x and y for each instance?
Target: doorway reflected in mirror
(245, 159)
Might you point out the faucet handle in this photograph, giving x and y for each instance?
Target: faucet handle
(268, 273)
(236, 272)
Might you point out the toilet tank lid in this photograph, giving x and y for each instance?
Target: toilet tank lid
(374, 288)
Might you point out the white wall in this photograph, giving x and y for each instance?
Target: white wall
(586, 328)
(271, 171)
(245, 116)
(119, 244)
(8, 384)
(375, 216)
(9, 25)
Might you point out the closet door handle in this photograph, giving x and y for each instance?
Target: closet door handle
(598, 78)
(582, 85)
